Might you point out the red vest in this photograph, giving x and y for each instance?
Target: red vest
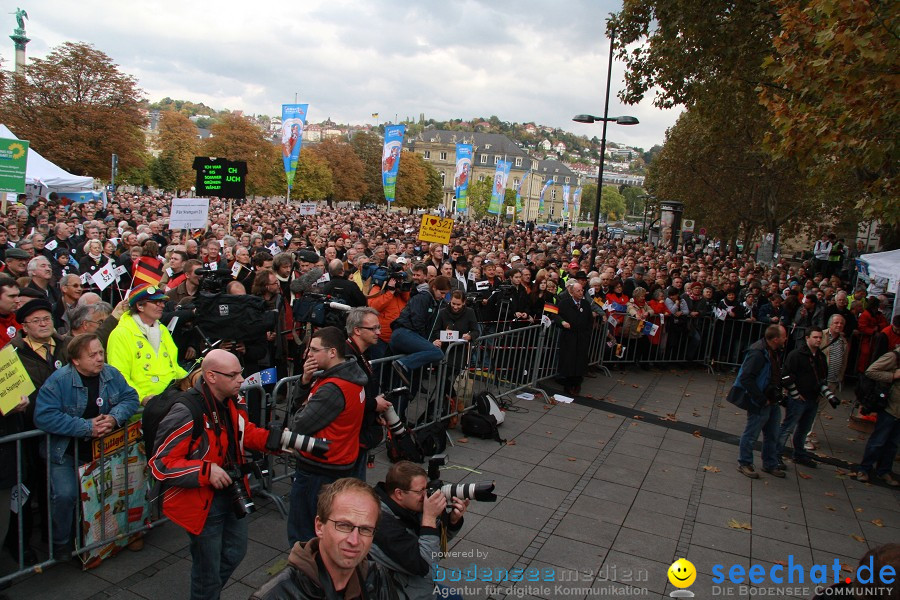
(343, 432)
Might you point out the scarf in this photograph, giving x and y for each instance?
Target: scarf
(151, 332)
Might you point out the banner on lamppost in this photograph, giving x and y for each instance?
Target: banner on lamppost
(547, 184)
(293, 118)
(519, 193)
(501, 175)
(565, 212)
(461, 179)
(576, 200)
(390, 159)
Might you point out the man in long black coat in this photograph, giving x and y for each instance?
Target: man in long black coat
(576, 320)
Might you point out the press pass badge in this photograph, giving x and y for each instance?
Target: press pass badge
(449, 336)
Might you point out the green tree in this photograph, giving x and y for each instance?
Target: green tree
(832, 96)
(368, 147)
(435, 195)
(347, 170)
(77, 108)
(412, 182)
(633, 201)
(313, 179)
(612, 203)
(588, 201)
(235, 138)
(178, 146)
(480, 197)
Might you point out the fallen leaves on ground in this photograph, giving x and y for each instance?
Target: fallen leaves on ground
(877, 522)
(847, 568)
(511, 443)
(780, 562)
(858, 538)
(638, 417)
(635, 386)
(464, 441)
(859, 510)
(712, 469)
(829, 494)
(277, 567)
(804, 475)
(842, 472)
(735, 524)
(669, 417)
(687, 395)
(697, 434)
(572, 459)
(784, 507)
(831, 508)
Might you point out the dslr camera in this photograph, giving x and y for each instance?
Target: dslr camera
(482, 491)
(241, 502)
(285, 440)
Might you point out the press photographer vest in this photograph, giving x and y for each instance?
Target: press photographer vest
(343, 432)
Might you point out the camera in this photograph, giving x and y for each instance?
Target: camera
(241, 502)
(482, 491)
(394, 423)
(787, 382)
(826, 392)
(213, 280)
(286, 440)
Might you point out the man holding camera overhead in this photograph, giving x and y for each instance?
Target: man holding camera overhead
(202, 473)
(408, 537)
(334, 400)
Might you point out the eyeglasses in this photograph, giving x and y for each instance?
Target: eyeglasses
(314, 350)
(41, 321)
(375, 328)
(345, 527)
(416, 492)
(228, 375)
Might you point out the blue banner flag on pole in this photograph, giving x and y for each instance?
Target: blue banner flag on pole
(519, 193)
(461, 179)
(390, 159)
(544, 189)
(501, 175)
(577, 203)
(293, 118)
(565, 200)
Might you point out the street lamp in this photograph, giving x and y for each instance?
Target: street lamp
(623, 120)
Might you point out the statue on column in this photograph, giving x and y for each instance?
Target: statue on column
(21, 15)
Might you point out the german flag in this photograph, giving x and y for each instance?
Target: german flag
(148, 270)
(175, 281)
(551, 308)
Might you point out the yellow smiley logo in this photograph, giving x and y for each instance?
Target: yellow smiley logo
(682, 573)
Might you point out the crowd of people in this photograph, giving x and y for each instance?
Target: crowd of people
(98, 352)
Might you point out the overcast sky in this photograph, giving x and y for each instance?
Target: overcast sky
(522, 61)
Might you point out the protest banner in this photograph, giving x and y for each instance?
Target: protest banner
(14, 379)
(189, 213)
(435, 229)
(307, 208)
(13, 160)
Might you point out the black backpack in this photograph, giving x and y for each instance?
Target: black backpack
(414, 446)
(873, 395)
(481, 426)
(156, 409)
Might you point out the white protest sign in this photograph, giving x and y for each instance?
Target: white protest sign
(104, 277)
(51, 245)
(189, 213)
(307, 208)
(449, 336)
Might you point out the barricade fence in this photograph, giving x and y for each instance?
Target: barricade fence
(516, 359)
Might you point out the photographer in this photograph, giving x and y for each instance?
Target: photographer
(200, 474)
(342, 288)
(408, 537)
(333, 407)
(805, 372)
(389, 301)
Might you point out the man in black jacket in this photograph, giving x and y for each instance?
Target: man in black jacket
(341, 287)
(408, 538)
(808, 371)
(412, 330)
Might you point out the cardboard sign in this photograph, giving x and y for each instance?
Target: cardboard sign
(307, 208)
(449, 336)
(14, 380)
(189, 213)
(435, 229)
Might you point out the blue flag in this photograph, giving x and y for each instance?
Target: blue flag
(565, 200)
(264, 377)
(461, 179)
(293, 118)
(390, 159)
(519, 193)
(544, 189)
(501, 175)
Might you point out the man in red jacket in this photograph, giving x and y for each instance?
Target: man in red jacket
(195, 471)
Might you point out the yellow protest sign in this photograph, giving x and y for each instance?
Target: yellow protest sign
(435, 229)
(14, 379)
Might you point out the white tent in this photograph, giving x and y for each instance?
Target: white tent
(45, 175)
(883, 269)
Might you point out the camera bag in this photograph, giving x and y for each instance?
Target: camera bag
(486, 405)
(873, 395)
(481, 426)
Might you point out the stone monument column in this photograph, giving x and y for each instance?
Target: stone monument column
(20, 40)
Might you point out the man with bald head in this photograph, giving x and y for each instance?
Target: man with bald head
(197, 471)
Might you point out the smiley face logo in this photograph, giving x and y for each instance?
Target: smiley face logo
(682, 573)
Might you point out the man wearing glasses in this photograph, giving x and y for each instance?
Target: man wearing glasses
(333, 400)
(408, 538)
(196, 472)
(334, 564)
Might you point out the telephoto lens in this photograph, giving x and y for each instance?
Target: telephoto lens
(394, 424)
(826, 392)
(318, 447)
(241, 503)
(482, 491)
(787, 382)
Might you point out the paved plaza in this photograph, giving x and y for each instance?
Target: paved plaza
(596, 499)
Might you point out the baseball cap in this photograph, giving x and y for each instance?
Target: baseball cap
(573, 264)
(144, 292)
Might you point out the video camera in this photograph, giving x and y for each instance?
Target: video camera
(380, 275)
(482, 491)
(320, 310)
(213, 281)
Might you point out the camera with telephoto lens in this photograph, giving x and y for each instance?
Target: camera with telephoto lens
(787, 382)
(482, 491)
(241, 502)
(286, 440)
(826, 392)
(401, 277)
(390, 416)
(213, 280)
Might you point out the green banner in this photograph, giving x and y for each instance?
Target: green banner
(13, 159)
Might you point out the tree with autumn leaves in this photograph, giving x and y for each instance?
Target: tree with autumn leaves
(791, 107)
